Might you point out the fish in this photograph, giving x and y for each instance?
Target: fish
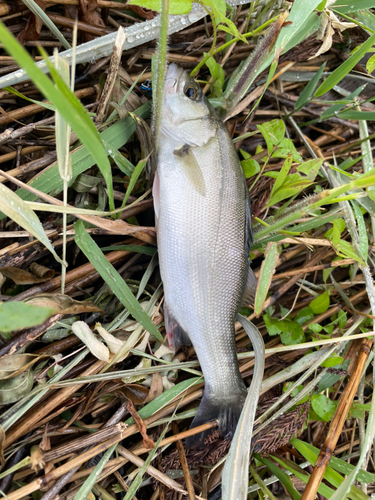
(203, 219)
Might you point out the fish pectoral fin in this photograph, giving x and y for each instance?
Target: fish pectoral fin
(187, 162)
(250, 289)
(176, 335)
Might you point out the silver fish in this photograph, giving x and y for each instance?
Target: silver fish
(203, 217)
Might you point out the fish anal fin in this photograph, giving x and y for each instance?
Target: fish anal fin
(190, 167)
(250, 289)
(176, 335)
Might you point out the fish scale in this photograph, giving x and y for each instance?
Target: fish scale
(202, 222)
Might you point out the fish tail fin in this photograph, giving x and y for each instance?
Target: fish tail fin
(226, 410)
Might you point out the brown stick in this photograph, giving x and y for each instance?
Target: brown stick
(184, 464)
(337, 423)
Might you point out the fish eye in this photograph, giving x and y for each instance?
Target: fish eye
(192, 93)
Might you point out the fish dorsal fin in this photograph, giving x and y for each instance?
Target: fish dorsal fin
(250, 289)
(175, 334)
(189, 165)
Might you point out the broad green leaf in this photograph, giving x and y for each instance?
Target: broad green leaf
(18, 315)
(356, 6)
(113, 279)
(333, 360)
(307, 92)
(286, 148)
(306, 314)
(64, 101)
(250, 167)
(321, 303)
(323, 406)
(176, 7)
(342, 318)
(265, 278)
(292, 333)
(16, 209)
(338, 74)
(310, 168)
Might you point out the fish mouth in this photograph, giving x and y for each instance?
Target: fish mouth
(171, 80)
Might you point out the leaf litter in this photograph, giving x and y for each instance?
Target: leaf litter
(294, 139)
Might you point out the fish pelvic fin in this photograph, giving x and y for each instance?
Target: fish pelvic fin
(226, 410)
(190, 167)
(176, 335)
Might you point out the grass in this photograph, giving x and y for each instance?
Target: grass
(308, 159)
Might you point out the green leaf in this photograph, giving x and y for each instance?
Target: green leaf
(16, 209)
(310, 168)
(333, 360)
(176, 7)
(286, 148)
(338, 74)
(40, 103)
(323, 406)
(292, 333)
(342, 318)
(250, 167)
(265, 278)
(370, 65)
(307, 92)
(306, 314)
(64, 101)
(17, 315)
(282, 175)
(137, 172)
(87, 486)
(113, 279)
(362, 233)
(321, 303)
(315, 327)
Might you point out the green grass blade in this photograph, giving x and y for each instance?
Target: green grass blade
(336, 76)
(88, 485)
(133, 179)
(17, 210)
(307, 92)
(235, 478)
(265, 278)
(65, 102)
(281, 475)
(40, 14)
(113, 279)
(165, 398)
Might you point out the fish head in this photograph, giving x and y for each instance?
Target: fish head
(187, 117)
